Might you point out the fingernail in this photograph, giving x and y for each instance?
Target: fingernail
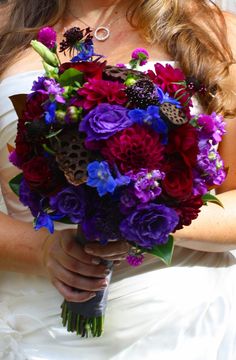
(96, 261)
(104, 283)
(91, 295)
(88, 250)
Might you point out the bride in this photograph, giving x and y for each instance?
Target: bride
(185, 311)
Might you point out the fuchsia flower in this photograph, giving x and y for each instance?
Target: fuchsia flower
(47, 36)
(171, 80)
(97, 91)
(141, 55)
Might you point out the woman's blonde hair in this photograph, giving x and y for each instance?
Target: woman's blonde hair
(193, 32)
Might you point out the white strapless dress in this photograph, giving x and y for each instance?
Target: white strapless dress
(186, 311)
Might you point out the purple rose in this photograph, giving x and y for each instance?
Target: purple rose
(149, 225)
(104, 121)
(69, 202)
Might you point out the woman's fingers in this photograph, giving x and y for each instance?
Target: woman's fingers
(72, 264)
(77, 281)
(75, 250)
(114, 250)
(71, 294)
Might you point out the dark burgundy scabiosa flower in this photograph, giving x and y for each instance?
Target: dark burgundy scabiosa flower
(137, 147)
(149, 225)
(73, 36)
(104, 121)
(97, 91)
(142, 93)
(188, 210)
(70, 202)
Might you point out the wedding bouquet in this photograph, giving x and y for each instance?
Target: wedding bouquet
(114, 150)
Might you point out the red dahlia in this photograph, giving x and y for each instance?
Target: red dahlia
(184, 140)
(188, 210)
(134, 148)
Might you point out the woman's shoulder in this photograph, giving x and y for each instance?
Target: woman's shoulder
(26, 62)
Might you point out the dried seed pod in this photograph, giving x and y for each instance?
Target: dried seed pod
(71, 155)
(172, 114)
(115, 73)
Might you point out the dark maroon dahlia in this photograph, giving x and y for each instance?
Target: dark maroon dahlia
(137, 147)
(188, 210)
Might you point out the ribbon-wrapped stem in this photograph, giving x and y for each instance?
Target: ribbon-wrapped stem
(87, 318)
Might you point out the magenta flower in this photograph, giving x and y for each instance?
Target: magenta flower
(47, 36)
(141, 55)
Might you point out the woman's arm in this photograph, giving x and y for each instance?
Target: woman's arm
(215, 228)
(56, 256)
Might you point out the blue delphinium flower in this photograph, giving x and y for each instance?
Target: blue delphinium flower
(150, 117)
(99, 176)
(46, 220)
(121, 179)
(165, 97)
(50, 113)
(85, 52)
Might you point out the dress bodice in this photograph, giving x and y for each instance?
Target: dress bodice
(184, 311)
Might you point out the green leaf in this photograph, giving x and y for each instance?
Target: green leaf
(54, 133)
(211, 198)
(70, 76)
(165, 251)
(65, 220)
(15, 183)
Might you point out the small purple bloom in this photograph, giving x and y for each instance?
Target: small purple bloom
(140, 54)
(146, 184)
(54, 89)
(104, 121)
(70, 203)
(211, 127)
(14, 159)
(48, 37)
(121, 65)
(149, 225)
(135, 259)
(39, 84)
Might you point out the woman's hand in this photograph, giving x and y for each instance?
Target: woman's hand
(76, 272)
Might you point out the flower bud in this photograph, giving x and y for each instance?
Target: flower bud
(60, 116)
(49, 57)
(73, 113)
